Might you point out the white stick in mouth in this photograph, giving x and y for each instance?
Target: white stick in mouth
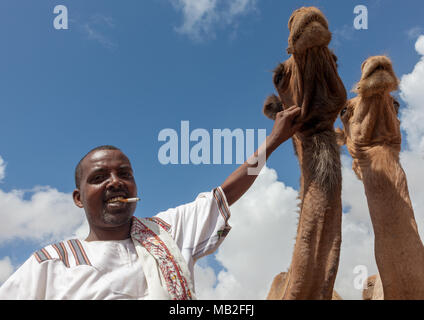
(129, 200)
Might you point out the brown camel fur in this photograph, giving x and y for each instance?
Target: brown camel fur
(278, 284)
(373, 138)
(374, 289)
(309, 79)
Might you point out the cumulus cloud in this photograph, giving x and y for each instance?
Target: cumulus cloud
(414, 32)
(259, 245)
(42, 215)
(200, 17)
(2, 169)
(261, 242)
(6, 269)
(342, 34)
(357, 247)
(412, 92)
(412, 117)
(97, 29)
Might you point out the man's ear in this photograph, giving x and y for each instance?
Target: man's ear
(76, 195)
(272, 106)
(340, 137)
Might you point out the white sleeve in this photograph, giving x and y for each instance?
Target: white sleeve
(27, 283)
(199, 227)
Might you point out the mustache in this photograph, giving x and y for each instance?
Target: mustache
(111, 193)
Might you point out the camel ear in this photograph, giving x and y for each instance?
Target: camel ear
(272, 106)
(333, 55)
(340, 137)
(396, 105)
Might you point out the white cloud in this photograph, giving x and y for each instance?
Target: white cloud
(43, 215)
(357, 234)
(412, 163)
(264, 221)
(261, 242)
(412, 92)
(6, 269)
(259, 245)
(200, 17)
(414, 32)
(2, 169)
(412, 118)
(342, 34)
(97, 28)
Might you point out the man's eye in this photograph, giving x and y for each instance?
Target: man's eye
(126, 175)
(97, 178)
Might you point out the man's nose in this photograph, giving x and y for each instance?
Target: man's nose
(115, 181)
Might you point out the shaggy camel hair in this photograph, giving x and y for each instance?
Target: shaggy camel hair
(309, 79)
(373, 138)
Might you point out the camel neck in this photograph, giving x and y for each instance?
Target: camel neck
(317, 249)
(399, 251)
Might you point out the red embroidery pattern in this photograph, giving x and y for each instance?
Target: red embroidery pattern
(160, 222)
(176, 283)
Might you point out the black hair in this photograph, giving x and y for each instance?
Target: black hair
(78, 169)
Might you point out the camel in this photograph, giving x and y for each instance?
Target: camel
(309, 79)
(371, 132)
(374, 289)
(278, 285)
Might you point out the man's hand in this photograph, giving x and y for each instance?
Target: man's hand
(240, 180)
(285, 126)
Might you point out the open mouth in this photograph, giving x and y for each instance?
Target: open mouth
(115, 199)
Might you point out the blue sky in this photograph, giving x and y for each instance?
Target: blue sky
(124, 71)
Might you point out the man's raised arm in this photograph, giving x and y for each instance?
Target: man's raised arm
(242, 178)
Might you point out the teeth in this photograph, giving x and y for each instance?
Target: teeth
(116, 199)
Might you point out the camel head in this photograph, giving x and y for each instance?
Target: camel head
(371, 119)
(308, 28)
(309, 78)
(378, 77)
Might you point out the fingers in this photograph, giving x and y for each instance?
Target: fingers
(292, 108)
(291, 112)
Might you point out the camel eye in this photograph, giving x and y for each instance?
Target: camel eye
(335, 59)
(278, 77)
(342, 113)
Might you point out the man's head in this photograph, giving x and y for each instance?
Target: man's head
(102, 174)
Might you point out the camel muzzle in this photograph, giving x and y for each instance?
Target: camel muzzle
(308, 29)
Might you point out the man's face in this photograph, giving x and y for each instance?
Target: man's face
(106, 174)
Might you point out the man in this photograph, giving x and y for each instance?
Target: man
(124, 257)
